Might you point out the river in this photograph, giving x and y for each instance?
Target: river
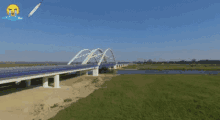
(166, 72)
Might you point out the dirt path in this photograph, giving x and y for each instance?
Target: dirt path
(44, 103)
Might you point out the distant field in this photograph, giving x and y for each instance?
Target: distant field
(205, 67)
(150, 97)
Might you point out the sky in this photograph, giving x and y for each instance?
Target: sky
(160, 30)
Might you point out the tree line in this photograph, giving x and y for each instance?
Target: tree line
(193, 61)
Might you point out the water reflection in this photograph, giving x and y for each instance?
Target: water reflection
(12, 18)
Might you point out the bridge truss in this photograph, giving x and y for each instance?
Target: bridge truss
(97, 56)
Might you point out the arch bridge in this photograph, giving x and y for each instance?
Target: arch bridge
(96, 56)
(91, 60)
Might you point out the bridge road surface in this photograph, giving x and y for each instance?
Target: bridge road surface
(18, 72)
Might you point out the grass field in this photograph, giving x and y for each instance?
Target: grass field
(205, 67)
(150, 97)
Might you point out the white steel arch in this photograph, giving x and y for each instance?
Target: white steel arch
(77, 55)
(102, 53)
(100, 61)
(91, 55)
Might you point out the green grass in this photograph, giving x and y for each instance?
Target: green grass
(68, 100)
(95, 80)
(55, 105)
(150, 97)
(205, 67)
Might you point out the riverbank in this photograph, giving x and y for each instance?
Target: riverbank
(167, 97)
(43, 103)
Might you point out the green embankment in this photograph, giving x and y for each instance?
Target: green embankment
(150, 97)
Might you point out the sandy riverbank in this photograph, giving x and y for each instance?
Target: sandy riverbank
(44, 103)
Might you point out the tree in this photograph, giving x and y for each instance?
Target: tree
(145, 61)
(193, 60)
(149, 60)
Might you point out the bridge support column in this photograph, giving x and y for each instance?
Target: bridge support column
(78, 73)
(17, 82)
(28, 83)
(57, 81)
(45, 82)
(96, 72)
(87, 73)
(115, 67)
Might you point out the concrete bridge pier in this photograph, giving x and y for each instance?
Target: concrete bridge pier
(28, 83)
(96, 72)
(45, 82)
(17, 82)
(57, 81)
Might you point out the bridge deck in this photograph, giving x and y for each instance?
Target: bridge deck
(17, 72)
(26, 71)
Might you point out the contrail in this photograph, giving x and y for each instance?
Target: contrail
(35, 8)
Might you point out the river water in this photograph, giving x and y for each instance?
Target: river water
(165, 72)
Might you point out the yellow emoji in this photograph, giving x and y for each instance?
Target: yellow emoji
(13, 8)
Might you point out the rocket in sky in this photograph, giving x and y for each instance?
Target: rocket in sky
(35, 8)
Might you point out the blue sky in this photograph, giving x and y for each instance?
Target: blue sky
(134, 30)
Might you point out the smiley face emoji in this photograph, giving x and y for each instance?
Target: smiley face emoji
(13, 8)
